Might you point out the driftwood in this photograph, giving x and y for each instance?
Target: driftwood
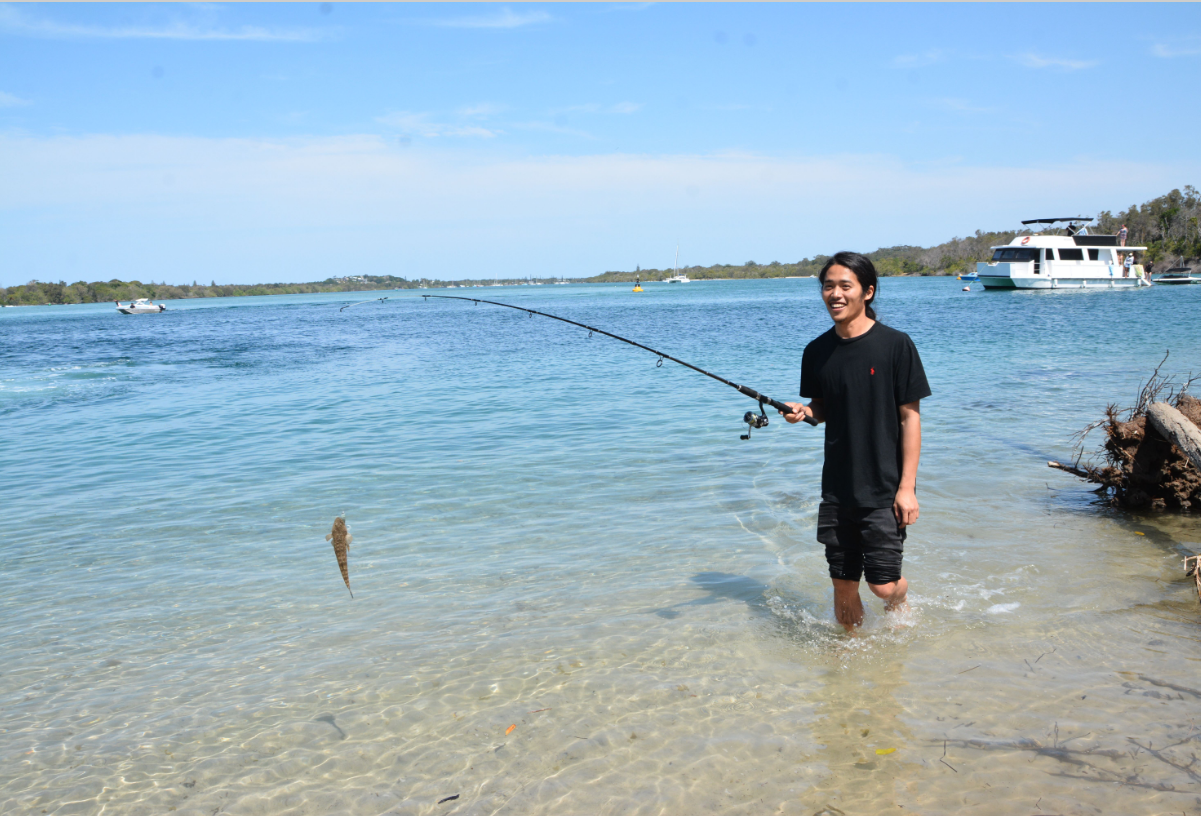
(1151, 456)
(1177, 429)
(1194, 572)
(1072, 469)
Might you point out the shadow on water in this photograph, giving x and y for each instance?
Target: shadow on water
(329, 718)
(796, 620)
(723, 586)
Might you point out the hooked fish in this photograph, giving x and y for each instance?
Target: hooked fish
(341, 540)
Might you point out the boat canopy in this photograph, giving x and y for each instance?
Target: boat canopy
(1056, 220)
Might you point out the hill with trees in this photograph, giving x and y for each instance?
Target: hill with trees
(1167, 226)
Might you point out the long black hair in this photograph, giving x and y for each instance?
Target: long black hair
(864, 271)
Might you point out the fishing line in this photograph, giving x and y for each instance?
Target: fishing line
(751, 419)
(361, 302)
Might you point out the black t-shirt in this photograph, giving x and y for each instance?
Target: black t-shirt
(861, 382)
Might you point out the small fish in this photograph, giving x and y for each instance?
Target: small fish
(341, 540)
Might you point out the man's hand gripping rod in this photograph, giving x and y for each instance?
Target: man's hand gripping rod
(752, 419)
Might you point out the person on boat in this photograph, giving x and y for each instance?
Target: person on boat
(1122, 233)
(865, 380)
(1126, 264)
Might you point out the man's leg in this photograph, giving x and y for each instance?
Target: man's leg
(884, 546)
(893, 593)
(848, 608)
(844, 553)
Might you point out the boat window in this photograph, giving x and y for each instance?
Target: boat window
(1094, 254)
(1071, 254)
(1050, 254)
(1015, 254)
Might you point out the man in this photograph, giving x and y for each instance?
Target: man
(865, 381)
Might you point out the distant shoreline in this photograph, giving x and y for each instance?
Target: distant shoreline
(438, 286)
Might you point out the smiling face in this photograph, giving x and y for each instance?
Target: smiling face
(845, 298)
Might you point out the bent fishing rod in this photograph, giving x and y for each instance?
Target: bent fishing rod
(751, 419)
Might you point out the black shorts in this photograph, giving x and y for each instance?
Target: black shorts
(861, 541)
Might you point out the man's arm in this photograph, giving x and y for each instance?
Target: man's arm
(904, 506)
(816, 409)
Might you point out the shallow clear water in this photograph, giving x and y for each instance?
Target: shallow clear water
(552, 533)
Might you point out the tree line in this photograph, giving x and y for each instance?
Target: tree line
(1168, 226)
(40, 293)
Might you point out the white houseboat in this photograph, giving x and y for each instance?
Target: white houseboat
(1073, 261)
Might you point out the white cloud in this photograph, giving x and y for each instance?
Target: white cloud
(921, 60)
(624, 108)
(15, 21)
(481, 111)
(505, 18)
(422, 124)
(959, 105)
(295, 209)
(1169, 51)
(551, 127)
(8, 100)
(1036, 61)
(727, 108)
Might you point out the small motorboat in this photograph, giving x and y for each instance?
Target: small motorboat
(1177, 274)
(141, 306)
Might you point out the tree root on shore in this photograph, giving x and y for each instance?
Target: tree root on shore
(1194, 572)
(1144, 470)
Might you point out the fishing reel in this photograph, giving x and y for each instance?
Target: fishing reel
(754, 421)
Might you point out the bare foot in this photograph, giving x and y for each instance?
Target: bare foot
(899, 614)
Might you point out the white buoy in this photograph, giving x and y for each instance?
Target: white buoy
(967, 288)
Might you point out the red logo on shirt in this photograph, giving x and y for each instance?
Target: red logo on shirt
(873, 372)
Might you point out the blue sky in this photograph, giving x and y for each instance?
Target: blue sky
(281, 142)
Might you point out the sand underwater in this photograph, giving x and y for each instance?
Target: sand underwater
(576, 590)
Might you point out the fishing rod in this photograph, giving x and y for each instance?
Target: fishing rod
(360, 303)
(751, 419)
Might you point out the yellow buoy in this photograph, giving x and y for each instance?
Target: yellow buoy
(637, 288)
